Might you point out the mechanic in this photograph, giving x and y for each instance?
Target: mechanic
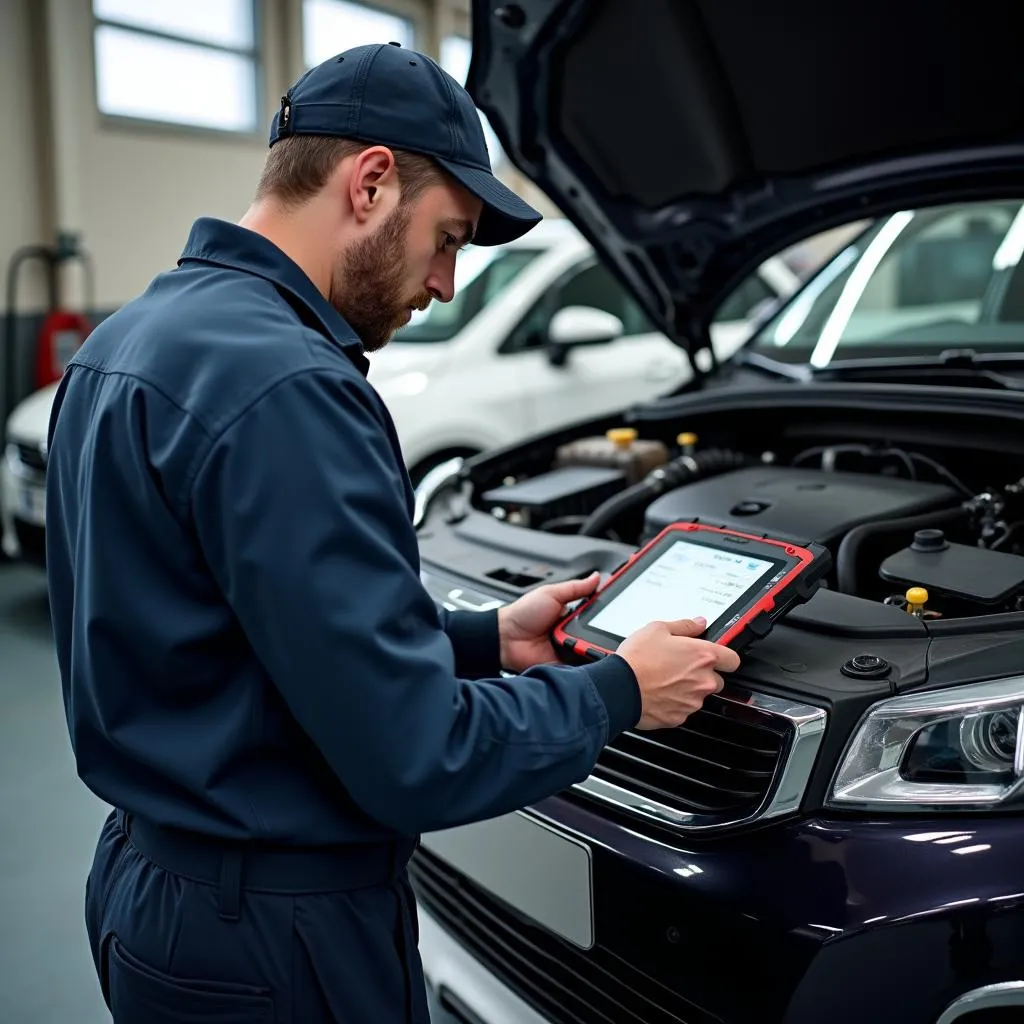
(254, 677)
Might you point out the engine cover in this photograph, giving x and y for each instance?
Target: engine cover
(807, 504)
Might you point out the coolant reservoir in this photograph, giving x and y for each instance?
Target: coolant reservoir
(620, 448)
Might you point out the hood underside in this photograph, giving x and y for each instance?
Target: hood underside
(691, 139)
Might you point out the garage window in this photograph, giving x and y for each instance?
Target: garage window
(183, 62)
(331, 26)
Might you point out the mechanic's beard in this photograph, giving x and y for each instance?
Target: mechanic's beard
(368, 285)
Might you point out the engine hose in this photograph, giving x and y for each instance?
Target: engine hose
(663, 478)
(848, 555)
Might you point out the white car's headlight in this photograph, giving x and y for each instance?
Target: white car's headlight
(961, 748)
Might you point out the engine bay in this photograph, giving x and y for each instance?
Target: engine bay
(931, 527)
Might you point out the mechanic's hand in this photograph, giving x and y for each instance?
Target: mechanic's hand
(524, 626)
(675, 670)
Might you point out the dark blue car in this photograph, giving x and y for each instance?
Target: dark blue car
(839, 835)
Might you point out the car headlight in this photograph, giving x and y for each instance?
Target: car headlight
(961, 748)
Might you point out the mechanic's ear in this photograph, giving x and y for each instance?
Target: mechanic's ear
(373, 183)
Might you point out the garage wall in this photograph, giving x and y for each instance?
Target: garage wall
(21, 186)
(132, 191)
(23, 182)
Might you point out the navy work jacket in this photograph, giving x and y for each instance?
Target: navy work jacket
(245, 646)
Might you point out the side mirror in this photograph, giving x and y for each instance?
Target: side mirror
(581, 325)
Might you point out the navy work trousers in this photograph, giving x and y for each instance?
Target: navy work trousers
(184, 932)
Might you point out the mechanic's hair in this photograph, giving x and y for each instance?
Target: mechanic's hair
(298, 167)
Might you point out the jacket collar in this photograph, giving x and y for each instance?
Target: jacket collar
(224, 244)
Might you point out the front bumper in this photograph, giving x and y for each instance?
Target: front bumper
(798, 923)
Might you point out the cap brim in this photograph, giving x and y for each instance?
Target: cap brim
(505, 216)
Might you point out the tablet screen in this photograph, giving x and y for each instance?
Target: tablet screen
(685, 581)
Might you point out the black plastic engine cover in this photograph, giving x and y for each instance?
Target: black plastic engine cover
(808, 504)
(958, 570)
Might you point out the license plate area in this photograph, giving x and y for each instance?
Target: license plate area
(528, 865)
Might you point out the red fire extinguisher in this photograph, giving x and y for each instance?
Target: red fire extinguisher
(63, 330)
(60, 337)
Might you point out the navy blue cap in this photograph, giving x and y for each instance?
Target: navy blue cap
(386, 95)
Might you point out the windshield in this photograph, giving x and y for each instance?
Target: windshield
(480, 276)
(917, 283)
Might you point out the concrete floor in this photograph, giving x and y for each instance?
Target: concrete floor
(51, 822)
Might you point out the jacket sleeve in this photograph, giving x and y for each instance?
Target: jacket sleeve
(475, 641)
(298, 508)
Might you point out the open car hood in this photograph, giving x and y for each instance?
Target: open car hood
(691, 139)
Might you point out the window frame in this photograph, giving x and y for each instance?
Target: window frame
(536, 253)
(129, 122)
(514, 342)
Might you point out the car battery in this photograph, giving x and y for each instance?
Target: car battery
(558, 494)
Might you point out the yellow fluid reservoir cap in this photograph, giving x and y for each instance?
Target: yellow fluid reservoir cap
(687, 439)
(621, 436)
(917, 595)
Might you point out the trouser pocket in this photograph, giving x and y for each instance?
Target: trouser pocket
(140, 994)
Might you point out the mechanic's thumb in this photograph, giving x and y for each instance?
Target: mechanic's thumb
(688, 627)
(572, 590)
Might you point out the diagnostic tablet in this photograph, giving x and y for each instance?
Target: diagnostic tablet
(740, 583)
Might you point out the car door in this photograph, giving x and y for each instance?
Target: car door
(595, 379)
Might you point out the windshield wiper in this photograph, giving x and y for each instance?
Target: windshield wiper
(972, 365)
(757, 361)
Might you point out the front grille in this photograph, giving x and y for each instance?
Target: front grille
(30, 456)
(719, 763)
(563, 983)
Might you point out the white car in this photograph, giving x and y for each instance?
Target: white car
(495, 364)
